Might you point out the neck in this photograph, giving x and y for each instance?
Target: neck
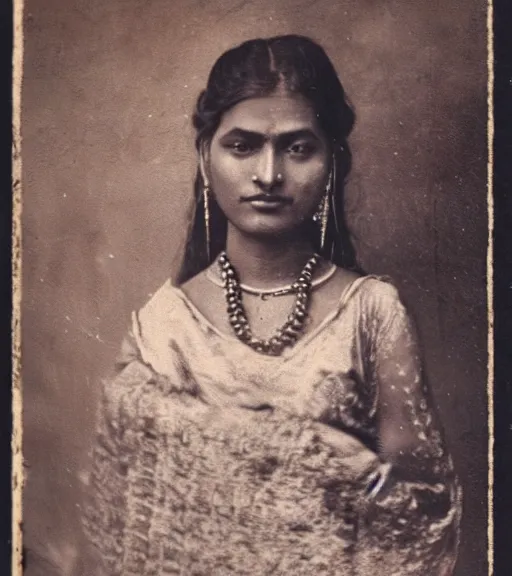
(265, 263)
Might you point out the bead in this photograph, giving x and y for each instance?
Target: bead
(265, 345)
(301, 313)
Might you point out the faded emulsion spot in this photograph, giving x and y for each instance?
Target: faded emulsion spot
(266, 467)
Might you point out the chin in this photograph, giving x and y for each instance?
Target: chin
(270, 230)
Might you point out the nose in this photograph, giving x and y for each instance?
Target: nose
(267, 175)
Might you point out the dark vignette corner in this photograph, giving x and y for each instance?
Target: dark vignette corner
(6, 37)
(503, 284)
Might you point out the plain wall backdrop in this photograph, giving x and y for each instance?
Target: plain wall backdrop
(108, 161)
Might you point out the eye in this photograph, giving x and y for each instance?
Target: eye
(240, 147)
(301, 149)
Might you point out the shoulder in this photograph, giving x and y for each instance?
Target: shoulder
(155, 324)
(170, 307)
(371, 288)
(162, 301)
(384, 312)
(372, 291)
(379, 291)
(377, 299)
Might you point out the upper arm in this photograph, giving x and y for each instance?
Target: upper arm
(108, 482)
(409, 430)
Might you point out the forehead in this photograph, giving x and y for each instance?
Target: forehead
(270, 115)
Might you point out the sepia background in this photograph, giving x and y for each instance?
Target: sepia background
(108, 161)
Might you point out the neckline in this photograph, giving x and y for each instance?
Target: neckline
(268, 292)
(347, 292)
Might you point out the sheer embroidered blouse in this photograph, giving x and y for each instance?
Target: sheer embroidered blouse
(212, 459)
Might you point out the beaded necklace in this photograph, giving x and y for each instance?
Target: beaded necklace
(284, 336)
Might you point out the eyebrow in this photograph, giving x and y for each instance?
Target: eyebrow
(252, 135)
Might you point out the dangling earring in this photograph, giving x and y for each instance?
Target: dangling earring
(206, 192)
(325, 211)
(321, 216)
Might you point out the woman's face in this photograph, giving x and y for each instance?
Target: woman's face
(268, 165)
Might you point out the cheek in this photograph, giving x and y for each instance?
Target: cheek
(309, 184)
(227, 177)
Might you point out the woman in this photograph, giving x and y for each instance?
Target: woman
(269, 414)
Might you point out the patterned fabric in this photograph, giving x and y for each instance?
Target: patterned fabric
(214, 460)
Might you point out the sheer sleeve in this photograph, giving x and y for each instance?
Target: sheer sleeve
(410, 434)
(415, 498)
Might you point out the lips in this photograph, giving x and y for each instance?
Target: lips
(270, 199)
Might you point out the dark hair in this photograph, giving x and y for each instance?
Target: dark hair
(255, 69)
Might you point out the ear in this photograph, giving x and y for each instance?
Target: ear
(204, 162)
